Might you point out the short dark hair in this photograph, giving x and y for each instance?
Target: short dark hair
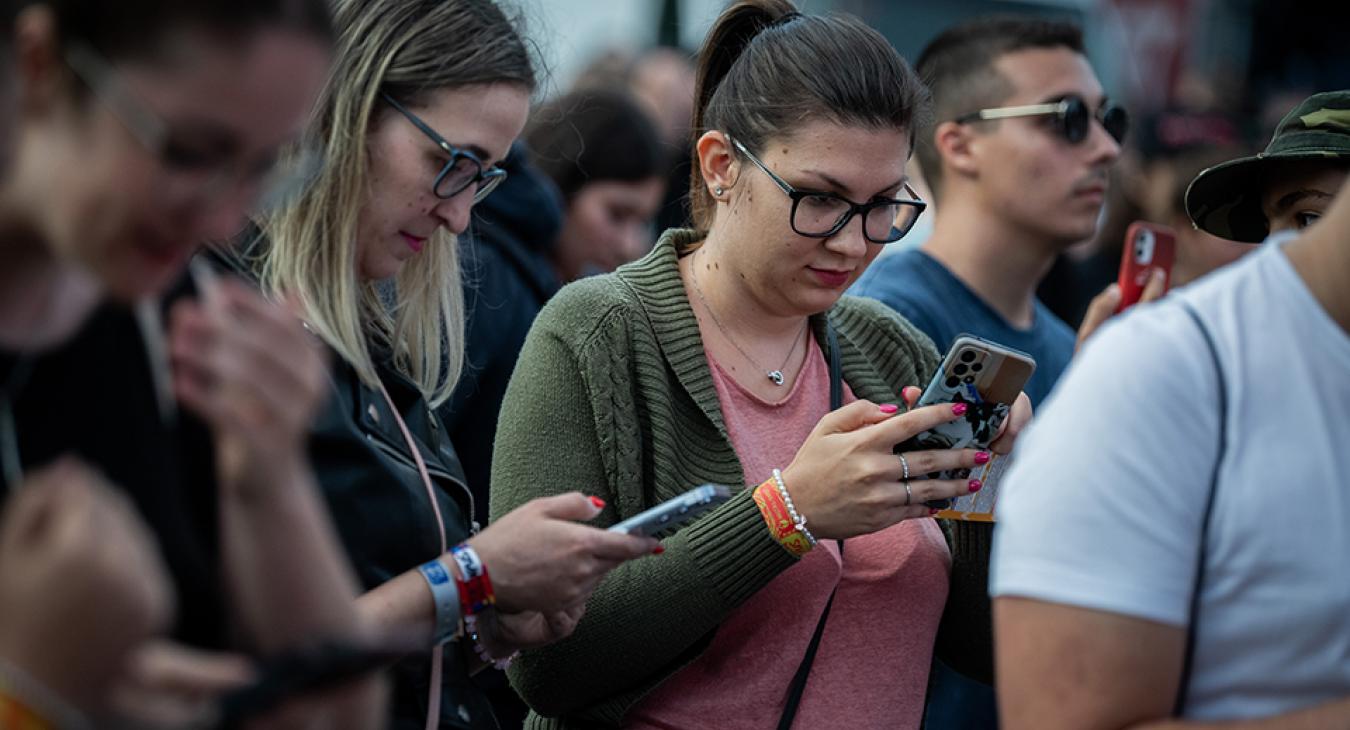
(134, 28)
(958, 67)
(765, 69)
(593, 135)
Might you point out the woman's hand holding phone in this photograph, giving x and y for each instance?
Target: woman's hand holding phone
(847, 481)
(541, 559)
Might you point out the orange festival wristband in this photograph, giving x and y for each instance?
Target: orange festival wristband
(775, 513)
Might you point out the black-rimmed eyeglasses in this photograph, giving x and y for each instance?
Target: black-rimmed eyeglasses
(462, 169)
(822, 214)
(1071, 117)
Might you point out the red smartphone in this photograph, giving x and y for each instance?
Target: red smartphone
(1148, 246)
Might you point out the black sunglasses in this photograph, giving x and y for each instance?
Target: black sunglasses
(461, 170)
(1072, 117)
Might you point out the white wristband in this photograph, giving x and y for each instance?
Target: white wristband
(445, 594)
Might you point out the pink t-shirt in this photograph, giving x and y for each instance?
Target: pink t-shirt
(871, 670)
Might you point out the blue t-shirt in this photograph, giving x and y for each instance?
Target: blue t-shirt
(923, 291)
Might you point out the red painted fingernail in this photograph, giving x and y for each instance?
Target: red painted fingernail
(889, 408)
(933, 512)
(959, 409)
(599, 503)
(982, 457)
(658, 549)
(975, 485)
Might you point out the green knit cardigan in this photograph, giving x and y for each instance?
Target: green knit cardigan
(612, 396)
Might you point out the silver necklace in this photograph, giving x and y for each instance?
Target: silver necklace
(774, 375)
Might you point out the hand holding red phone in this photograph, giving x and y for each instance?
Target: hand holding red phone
(1145, 275)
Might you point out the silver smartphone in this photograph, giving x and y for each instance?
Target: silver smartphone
(675, 512)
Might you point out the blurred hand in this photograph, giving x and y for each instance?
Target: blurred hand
(846, 479)
(169, 685)
(1103, 306)
(504, 633)
(81, 581)
(249, 368)
(540, 559)
(1018, 418)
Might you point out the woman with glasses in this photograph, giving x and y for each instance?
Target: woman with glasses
(712, 360)
(425, 98)
(141, 130)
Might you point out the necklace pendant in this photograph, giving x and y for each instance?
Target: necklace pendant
(776, 376)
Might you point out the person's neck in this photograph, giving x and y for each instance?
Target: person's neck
(742, 316)
(1000, 263)
(1323, 262)
(42, 301)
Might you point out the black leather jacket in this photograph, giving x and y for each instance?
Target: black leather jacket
(382, 514)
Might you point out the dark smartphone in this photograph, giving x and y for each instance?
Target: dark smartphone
(303, 671)
(1148, 246)
(987, 377)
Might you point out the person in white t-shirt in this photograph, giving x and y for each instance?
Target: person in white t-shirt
(1101, 520)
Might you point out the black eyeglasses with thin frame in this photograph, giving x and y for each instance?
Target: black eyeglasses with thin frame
(1071, 117)
(818, 214)
(198, 175)
(462, 169)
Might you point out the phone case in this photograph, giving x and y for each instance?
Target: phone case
(987, 377)
(1148, 246)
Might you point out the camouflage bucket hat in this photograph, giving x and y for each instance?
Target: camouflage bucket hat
(1225, 200)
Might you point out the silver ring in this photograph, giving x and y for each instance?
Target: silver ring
(909, 496)
(904, 465)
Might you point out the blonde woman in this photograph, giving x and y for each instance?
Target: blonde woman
(425, 98)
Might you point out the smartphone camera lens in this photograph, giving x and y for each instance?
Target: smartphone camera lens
(959, 369)
(977, 367)
(967, 356)
(953, 381)
(968, 380)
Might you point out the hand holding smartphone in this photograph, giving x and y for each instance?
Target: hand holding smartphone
(1148, 247)
(987, 377)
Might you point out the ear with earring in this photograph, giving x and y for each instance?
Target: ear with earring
(717, 191)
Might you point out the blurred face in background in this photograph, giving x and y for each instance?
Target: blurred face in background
(607, 224)
(1026, 171)
(124, 167)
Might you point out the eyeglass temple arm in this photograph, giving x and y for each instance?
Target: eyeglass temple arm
(1007, 112)
(97, 74)
(782, 185)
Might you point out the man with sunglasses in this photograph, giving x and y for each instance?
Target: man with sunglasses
(1017, 154)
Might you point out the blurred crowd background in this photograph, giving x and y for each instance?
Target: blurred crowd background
(1203, 80)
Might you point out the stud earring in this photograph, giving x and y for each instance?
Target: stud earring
(718, 191)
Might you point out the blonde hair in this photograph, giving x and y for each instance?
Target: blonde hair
(407, 49)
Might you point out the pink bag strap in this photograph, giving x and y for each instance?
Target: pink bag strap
(434, 696)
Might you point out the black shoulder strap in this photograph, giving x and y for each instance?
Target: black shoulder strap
(798, 686)
(1183, 685)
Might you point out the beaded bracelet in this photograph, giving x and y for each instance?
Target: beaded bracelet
(798, 520)
(471, 628)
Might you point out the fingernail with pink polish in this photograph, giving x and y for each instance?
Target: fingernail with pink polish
(658, 549)
(975, 485)
(982, 457)
(599, 503)
(889, 408)
(959, 409)
(933, 512)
